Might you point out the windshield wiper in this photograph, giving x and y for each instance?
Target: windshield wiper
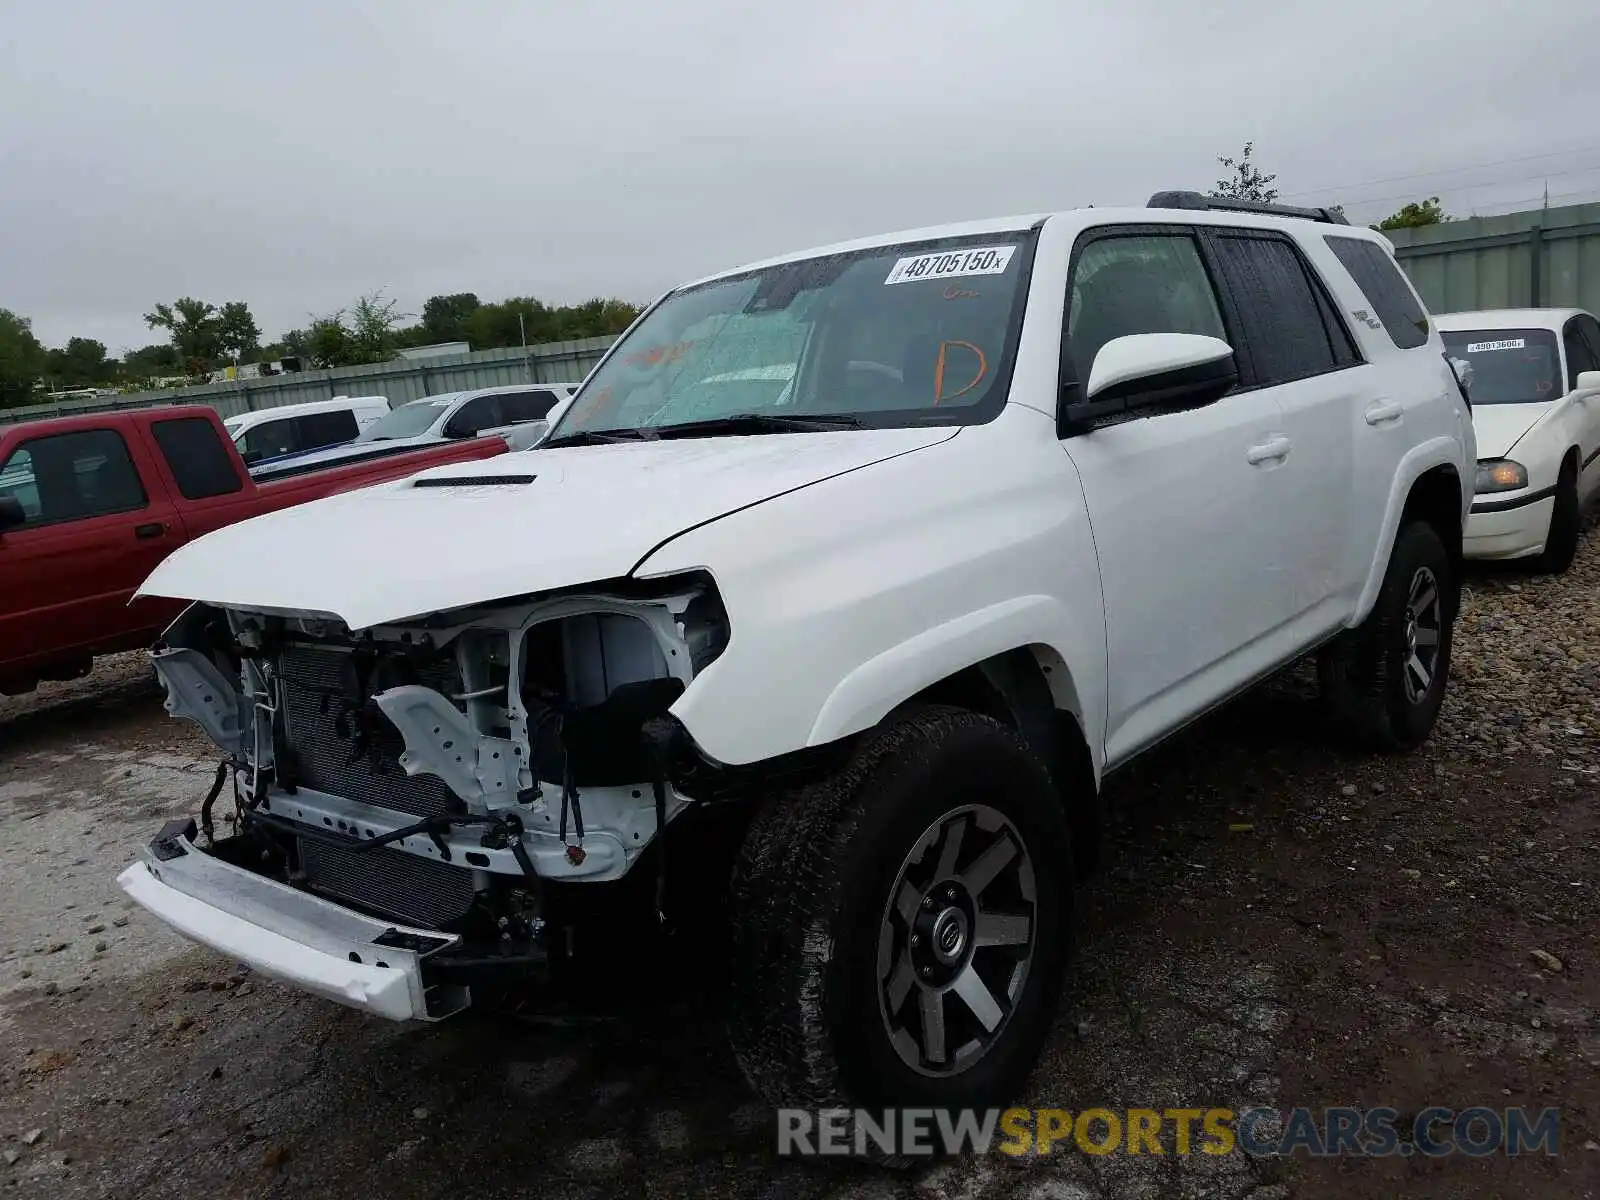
(762, 423)
(598, 437)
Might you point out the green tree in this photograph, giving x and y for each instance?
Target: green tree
(238, 336)
(82, 363)
(444, 318)
(22, 359)
(193, 326)
(156, 360)
(373, 326)
(1414, 216)
(1247, 182)
(328, 341)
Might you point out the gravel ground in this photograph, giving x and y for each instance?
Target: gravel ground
(1276, 922)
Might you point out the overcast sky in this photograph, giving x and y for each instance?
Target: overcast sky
(295, 154)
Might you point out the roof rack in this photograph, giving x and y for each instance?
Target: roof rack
(1223, 204)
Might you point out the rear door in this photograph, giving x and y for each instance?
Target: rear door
(1295, 346)
(198, 470)
(99, 521)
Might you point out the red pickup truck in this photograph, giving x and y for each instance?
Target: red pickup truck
(89, 505)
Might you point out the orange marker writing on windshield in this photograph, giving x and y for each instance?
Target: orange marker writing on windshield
(938, 371)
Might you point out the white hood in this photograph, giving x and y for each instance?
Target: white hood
(1499, 426)
(591, 513)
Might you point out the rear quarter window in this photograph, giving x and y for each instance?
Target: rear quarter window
(1384, 285)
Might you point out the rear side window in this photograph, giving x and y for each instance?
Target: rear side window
(1590, 330)
(1386, 289)
(1285, 331)
(195, 453)
(325, 429)
(73, 476)
(1580, 357)
(516, 407)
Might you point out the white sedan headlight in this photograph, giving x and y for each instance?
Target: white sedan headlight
(1500, 475)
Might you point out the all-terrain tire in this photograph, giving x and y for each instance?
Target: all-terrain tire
(1566, 524)
(810, 907)
(1364, 673)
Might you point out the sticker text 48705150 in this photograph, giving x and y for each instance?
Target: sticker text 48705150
(951, 264)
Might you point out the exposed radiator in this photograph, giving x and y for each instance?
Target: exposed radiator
(389, 883)
(316, 704)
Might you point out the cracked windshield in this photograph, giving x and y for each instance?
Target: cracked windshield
(889, 336)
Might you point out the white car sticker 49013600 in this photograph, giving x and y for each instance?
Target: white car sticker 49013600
(1502, 344)
(951, 264)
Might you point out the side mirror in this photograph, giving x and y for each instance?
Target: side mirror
(1155, 370)
(526, 435)
(12, 514)
(1589, 381)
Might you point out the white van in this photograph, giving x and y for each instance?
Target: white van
(291, 428)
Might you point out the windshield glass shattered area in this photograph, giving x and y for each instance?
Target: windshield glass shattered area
(894, 335)
(1506, 366)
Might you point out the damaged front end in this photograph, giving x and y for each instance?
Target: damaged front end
(405, 798)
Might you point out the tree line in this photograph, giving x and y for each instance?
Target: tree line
(201, 337)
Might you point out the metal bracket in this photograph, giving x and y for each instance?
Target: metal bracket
(198, 691)
(441, 741)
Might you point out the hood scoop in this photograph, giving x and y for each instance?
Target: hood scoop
(445, 481)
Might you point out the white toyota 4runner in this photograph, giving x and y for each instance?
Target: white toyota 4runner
(878, 556)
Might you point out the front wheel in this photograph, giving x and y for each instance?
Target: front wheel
(901, 928)
(1384, 680)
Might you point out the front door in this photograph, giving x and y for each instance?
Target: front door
(1182, 505)
(92, 535)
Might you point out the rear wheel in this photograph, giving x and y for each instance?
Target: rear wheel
(901, 928)
(1384, 681)
(1566, 523)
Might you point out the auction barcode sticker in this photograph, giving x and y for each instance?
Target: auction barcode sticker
(951, 264)
(1503, 344)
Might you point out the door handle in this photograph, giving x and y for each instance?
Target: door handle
(1383, 411)
(1273, 450)
(153, 529)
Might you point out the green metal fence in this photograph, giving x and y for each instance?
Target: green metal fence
(1544, 258)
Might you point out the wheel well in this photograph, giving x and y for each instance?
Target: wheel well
(1012, 688)
(1436, 498)
(1571, 456)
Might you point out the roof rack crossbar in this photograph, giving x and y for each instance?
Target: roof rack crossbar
(1194, 200)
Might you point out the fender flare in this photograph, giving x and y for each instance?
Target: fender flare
(1418, 461)
(868, 693)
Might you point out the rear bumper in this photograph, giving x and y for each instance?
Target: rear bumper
(1508, 532)
(300, 939)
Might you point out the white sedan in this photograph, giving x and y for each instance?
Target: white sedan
(1533, 376)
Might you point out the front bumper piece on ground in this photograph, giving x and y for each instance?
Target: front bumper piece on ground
(289, 935)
